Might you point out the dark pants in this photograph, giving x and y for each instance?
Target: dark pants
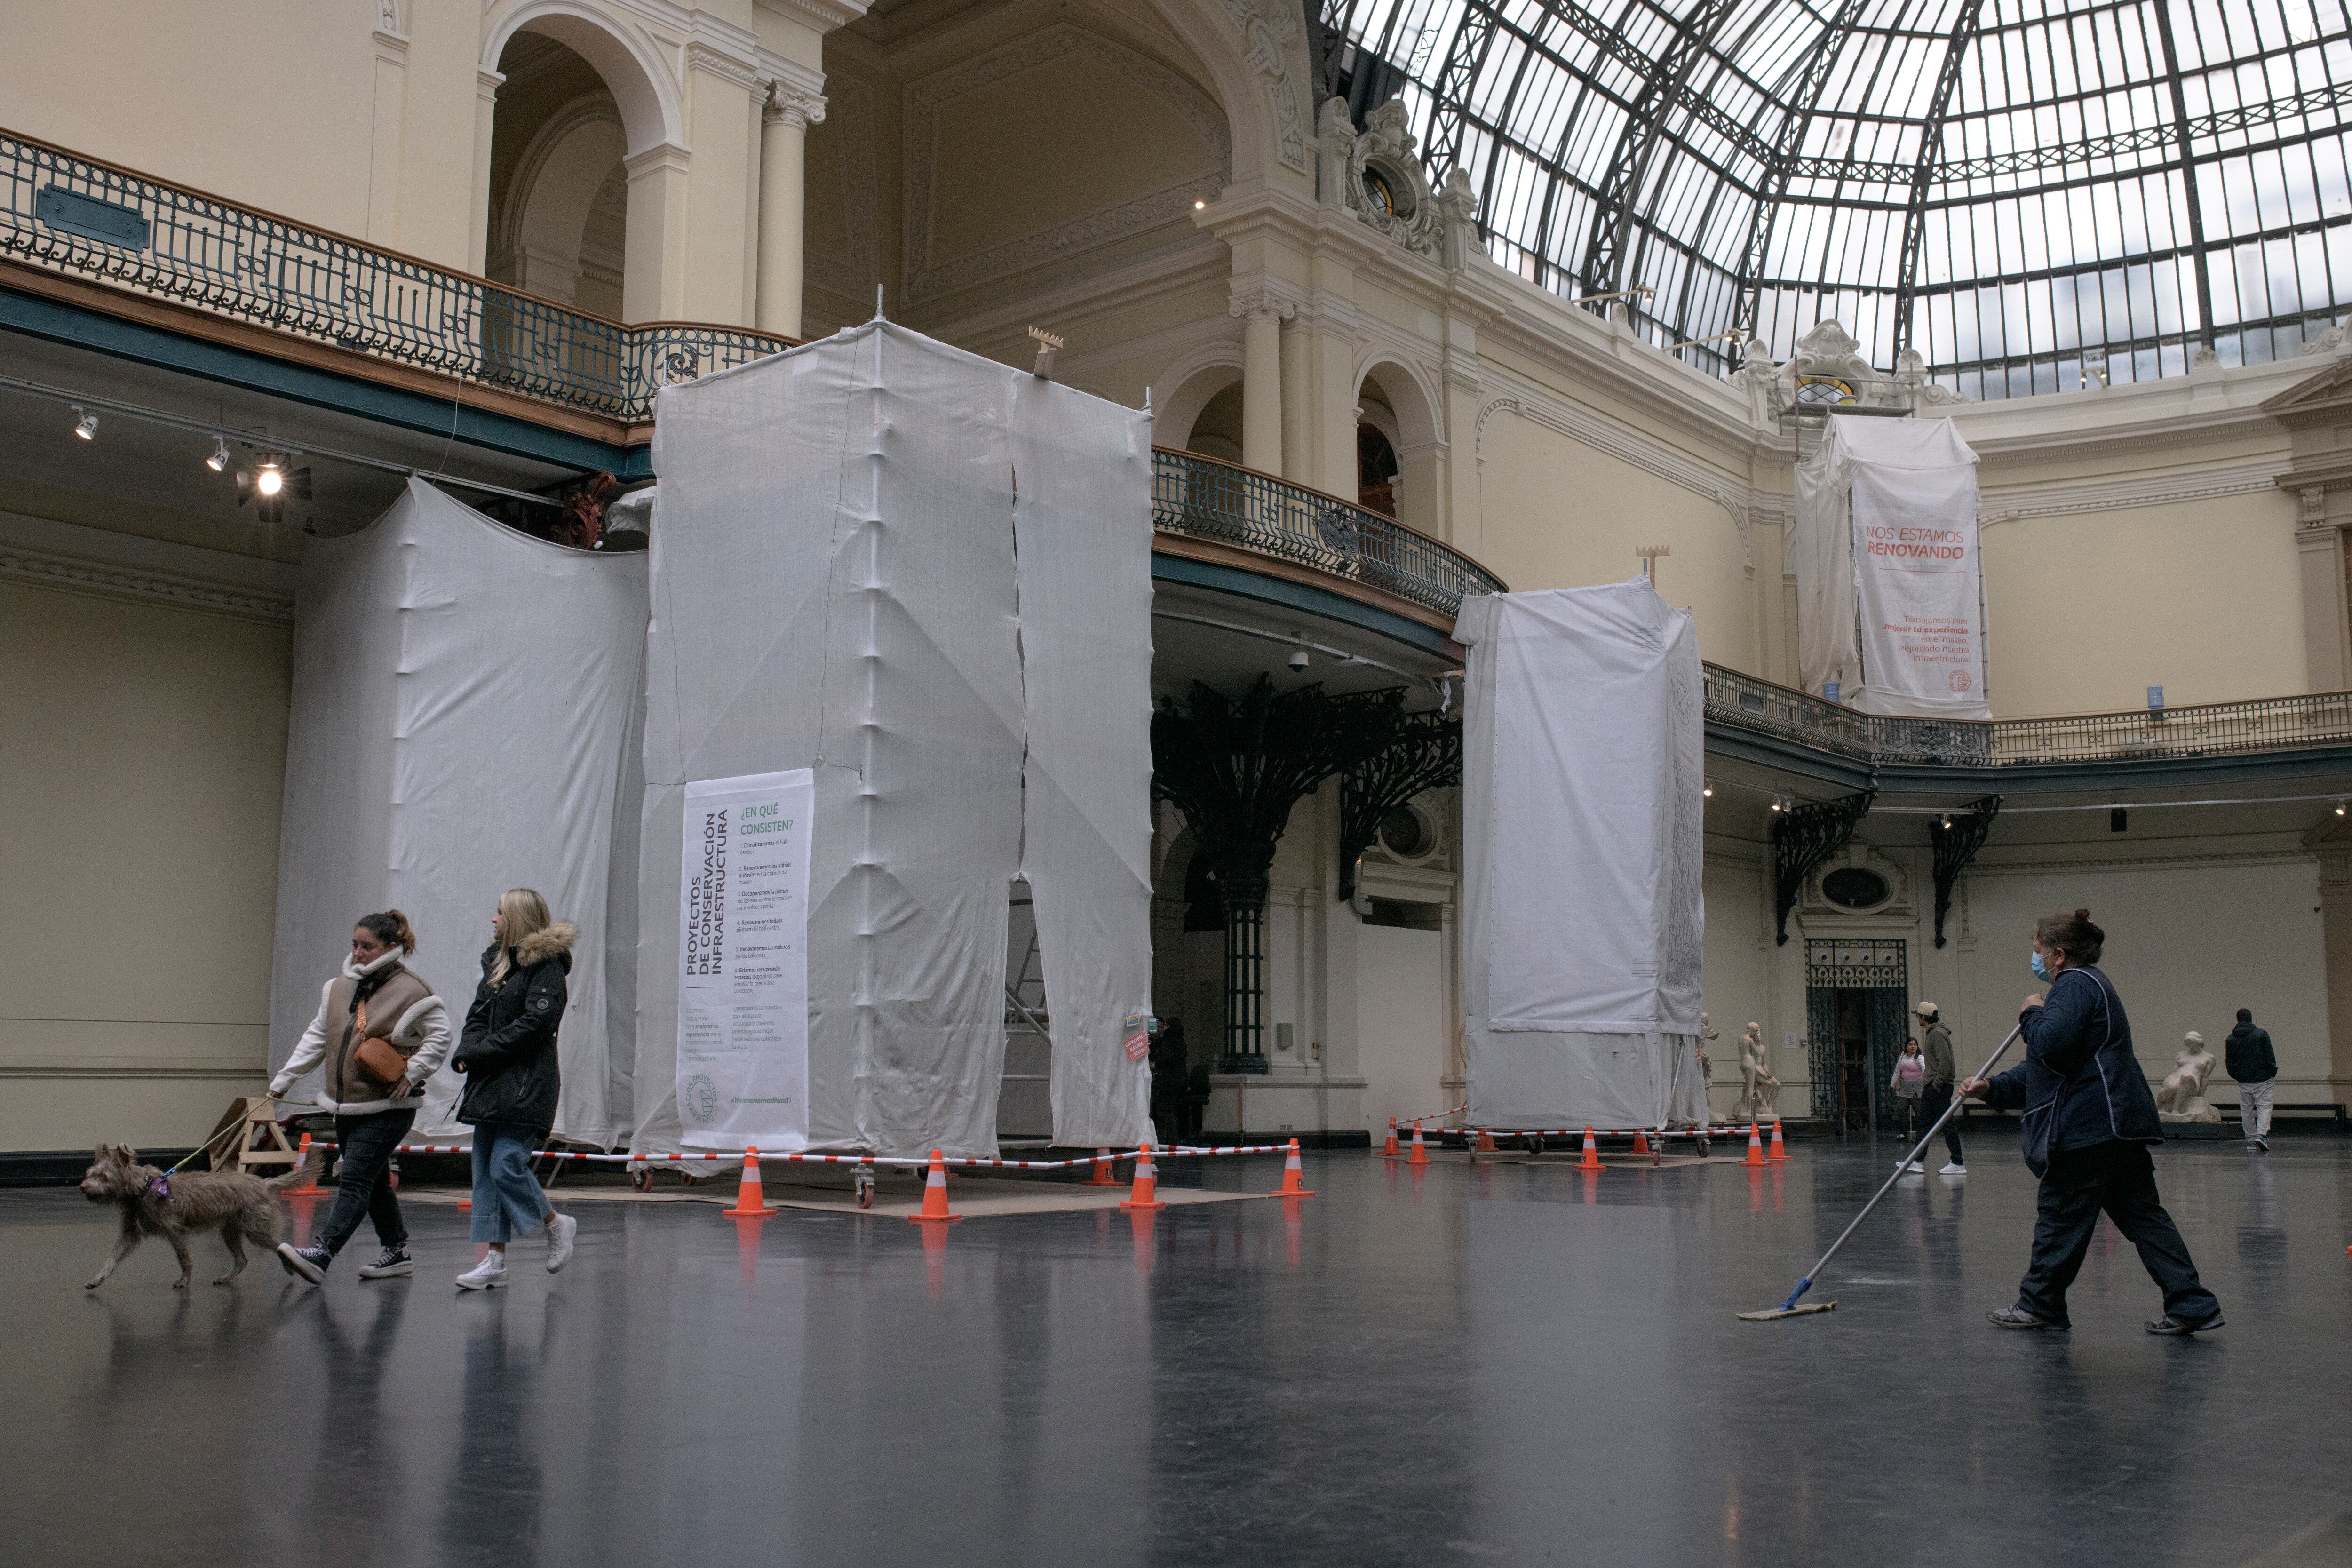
(1933, 1098)
(364, 1146)
(2119, 1179)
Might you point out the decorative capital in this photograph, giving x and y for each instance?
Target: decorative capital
(2314, 510)
(797, 107)
(1261, 303)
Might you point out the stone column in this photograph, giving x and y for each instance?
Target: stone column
(652, 275)
(722, 119)
(485, 106)
(1262, 312)
(791, 109)
(2319, 550)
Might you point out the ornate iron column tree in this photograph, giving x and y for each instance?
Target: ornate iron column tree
(1957, 836)
(1236, 768)
(1394, 756)
(1802, 840)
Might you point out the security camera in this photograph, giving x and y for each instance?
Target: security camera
(1298, 660)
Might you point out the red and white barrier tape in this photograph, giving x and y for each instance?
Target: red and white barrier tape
(1720, 1128)
(920, 1161)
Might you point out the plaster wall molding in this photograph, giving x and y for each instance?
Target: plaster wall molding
(1737, 498)
(2101, 863)
(69, 557)
(2121, 493)
(1061, 41)
(743, 71)
(850, 103)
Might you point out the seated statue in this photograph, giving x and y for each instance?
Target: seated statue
(2182, 1096)
(1763, 1096)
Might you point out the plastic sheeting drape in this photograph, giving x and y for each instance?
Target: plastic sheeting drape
(926, 577)
(467, 710)
(1582, 763)
(1889, 580)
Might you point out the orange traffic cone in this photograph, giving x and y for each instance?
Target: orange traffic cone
(1294, 1177)
(1420, 1150)
(1754, 1147)
(1641, 1141)
(748, 1202)
(1146, 1194)
(1591, 1159)
(1486, 1143)
(1390, 1148)
(935, 1193)
(309, 1186)
(1780, 1150)
(1100, 1176)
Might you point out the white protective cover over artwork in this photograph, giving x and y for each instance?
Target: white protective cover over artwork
(1887, 542)
(1582, 913)
(466, 720)
(926, 577)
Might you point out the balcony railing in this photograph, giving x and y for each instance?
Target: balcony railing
(1203, 498)
(81, 219)
(2211, 729)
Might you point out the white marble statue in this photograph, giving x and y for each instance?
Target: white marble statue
(2182, 1097)
(1762, 1090)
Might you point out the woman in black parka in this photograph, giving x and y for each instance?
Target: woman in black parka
(508, 1054)
(2089, 1118)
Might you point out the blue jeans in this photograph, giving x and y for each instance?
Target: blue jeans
(508, 1201)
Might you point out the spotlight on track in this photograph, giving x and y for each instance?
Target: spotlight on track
(2340, 801)
(218, 461)
(85, 424)
(1298, 660)
(1706, 791)
(1944, 822)
(1779, 803)
(269, 485)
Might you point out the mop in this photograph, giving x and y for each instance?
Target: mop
(1789, 1309)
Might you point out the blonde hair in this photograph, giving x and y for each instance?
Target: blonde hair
(522, 914)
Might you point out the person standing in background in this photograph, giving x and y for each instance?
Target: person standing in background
(1936, 1093)
(1910, 1072)
(2254, 1065)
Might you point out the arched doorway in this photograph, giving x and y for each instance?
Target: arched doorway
(559, 184)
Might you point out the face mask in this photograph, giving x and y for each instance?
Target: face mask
(2041, 970)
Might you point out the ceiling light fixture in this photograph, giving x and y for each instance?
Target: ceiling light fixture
(1706, 791)
(85, 424)
(1298, 658)
(269, 480)
(218, 461)
(2339, 804)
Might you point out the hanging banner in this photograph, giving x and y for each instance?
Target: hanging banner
(742, 983)
(1916, 570)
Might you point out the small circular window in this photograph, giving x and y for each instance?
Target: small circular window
(1406, 834)
(1854, 888)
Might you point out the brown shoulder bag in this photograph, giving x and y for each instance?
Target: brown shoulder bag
(378, 1058)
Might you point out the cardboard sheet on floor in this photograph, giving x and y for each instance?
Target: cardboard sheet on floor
(465, 718)
(1582, 761)
(926, 578)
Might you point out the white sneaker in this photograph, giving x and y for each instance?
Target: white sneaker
(1915, 1168)
(1953, 1168)
(559, 1229)
(492, 1270)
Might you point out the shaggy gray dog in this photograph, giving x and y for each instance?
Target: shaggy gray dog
(244, 1207)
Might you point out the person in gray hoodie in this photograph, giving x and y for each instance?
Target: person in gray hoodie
(2250, 1061)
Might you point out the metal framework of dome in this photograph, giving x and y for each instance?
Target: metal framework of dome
(2029, 193)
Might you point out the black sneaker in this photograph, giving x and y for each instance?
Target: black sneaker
(305, 1262)
(394, 1262)
(2018, 1318)
(2181, 1327)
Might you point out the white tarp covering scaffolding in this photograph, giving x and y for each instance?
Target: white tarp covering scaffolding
(926, 578)
(1889, 580)
(1582, 763)
(466, 716)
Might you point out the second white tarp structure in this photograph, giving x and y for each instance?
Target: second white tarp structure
(1582, 763)
(466, 712)
(926, 578)
(1889, 580)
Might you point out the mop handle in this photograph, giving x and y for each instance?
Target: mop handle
(1907, 1159)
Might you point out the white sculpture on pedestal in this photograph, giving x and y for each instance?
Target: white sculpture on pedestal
(2182, 1097)
(1762, 1091)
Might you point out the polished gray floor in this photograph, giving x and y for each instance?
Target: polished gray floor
(1506, 1364)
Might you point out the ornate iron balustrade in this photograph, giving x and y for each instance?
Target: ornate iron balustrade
(69, 216)
(2211, 730)
(1204, 498)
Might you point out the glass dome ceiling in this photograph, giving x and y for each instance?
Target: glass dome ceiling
(1998, 185)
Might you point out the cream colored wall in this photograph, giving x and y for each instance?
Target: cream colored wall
(2188, 945)
(1401, 987)
(1736, 971)
(138, 806)
(1559, 514)
(2084, 613)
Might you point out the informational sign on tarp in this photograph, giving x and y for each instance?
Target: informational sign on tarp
(742, 982)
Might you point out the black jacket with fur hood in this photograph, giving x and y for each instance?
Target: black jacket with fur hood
(507, 1052)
